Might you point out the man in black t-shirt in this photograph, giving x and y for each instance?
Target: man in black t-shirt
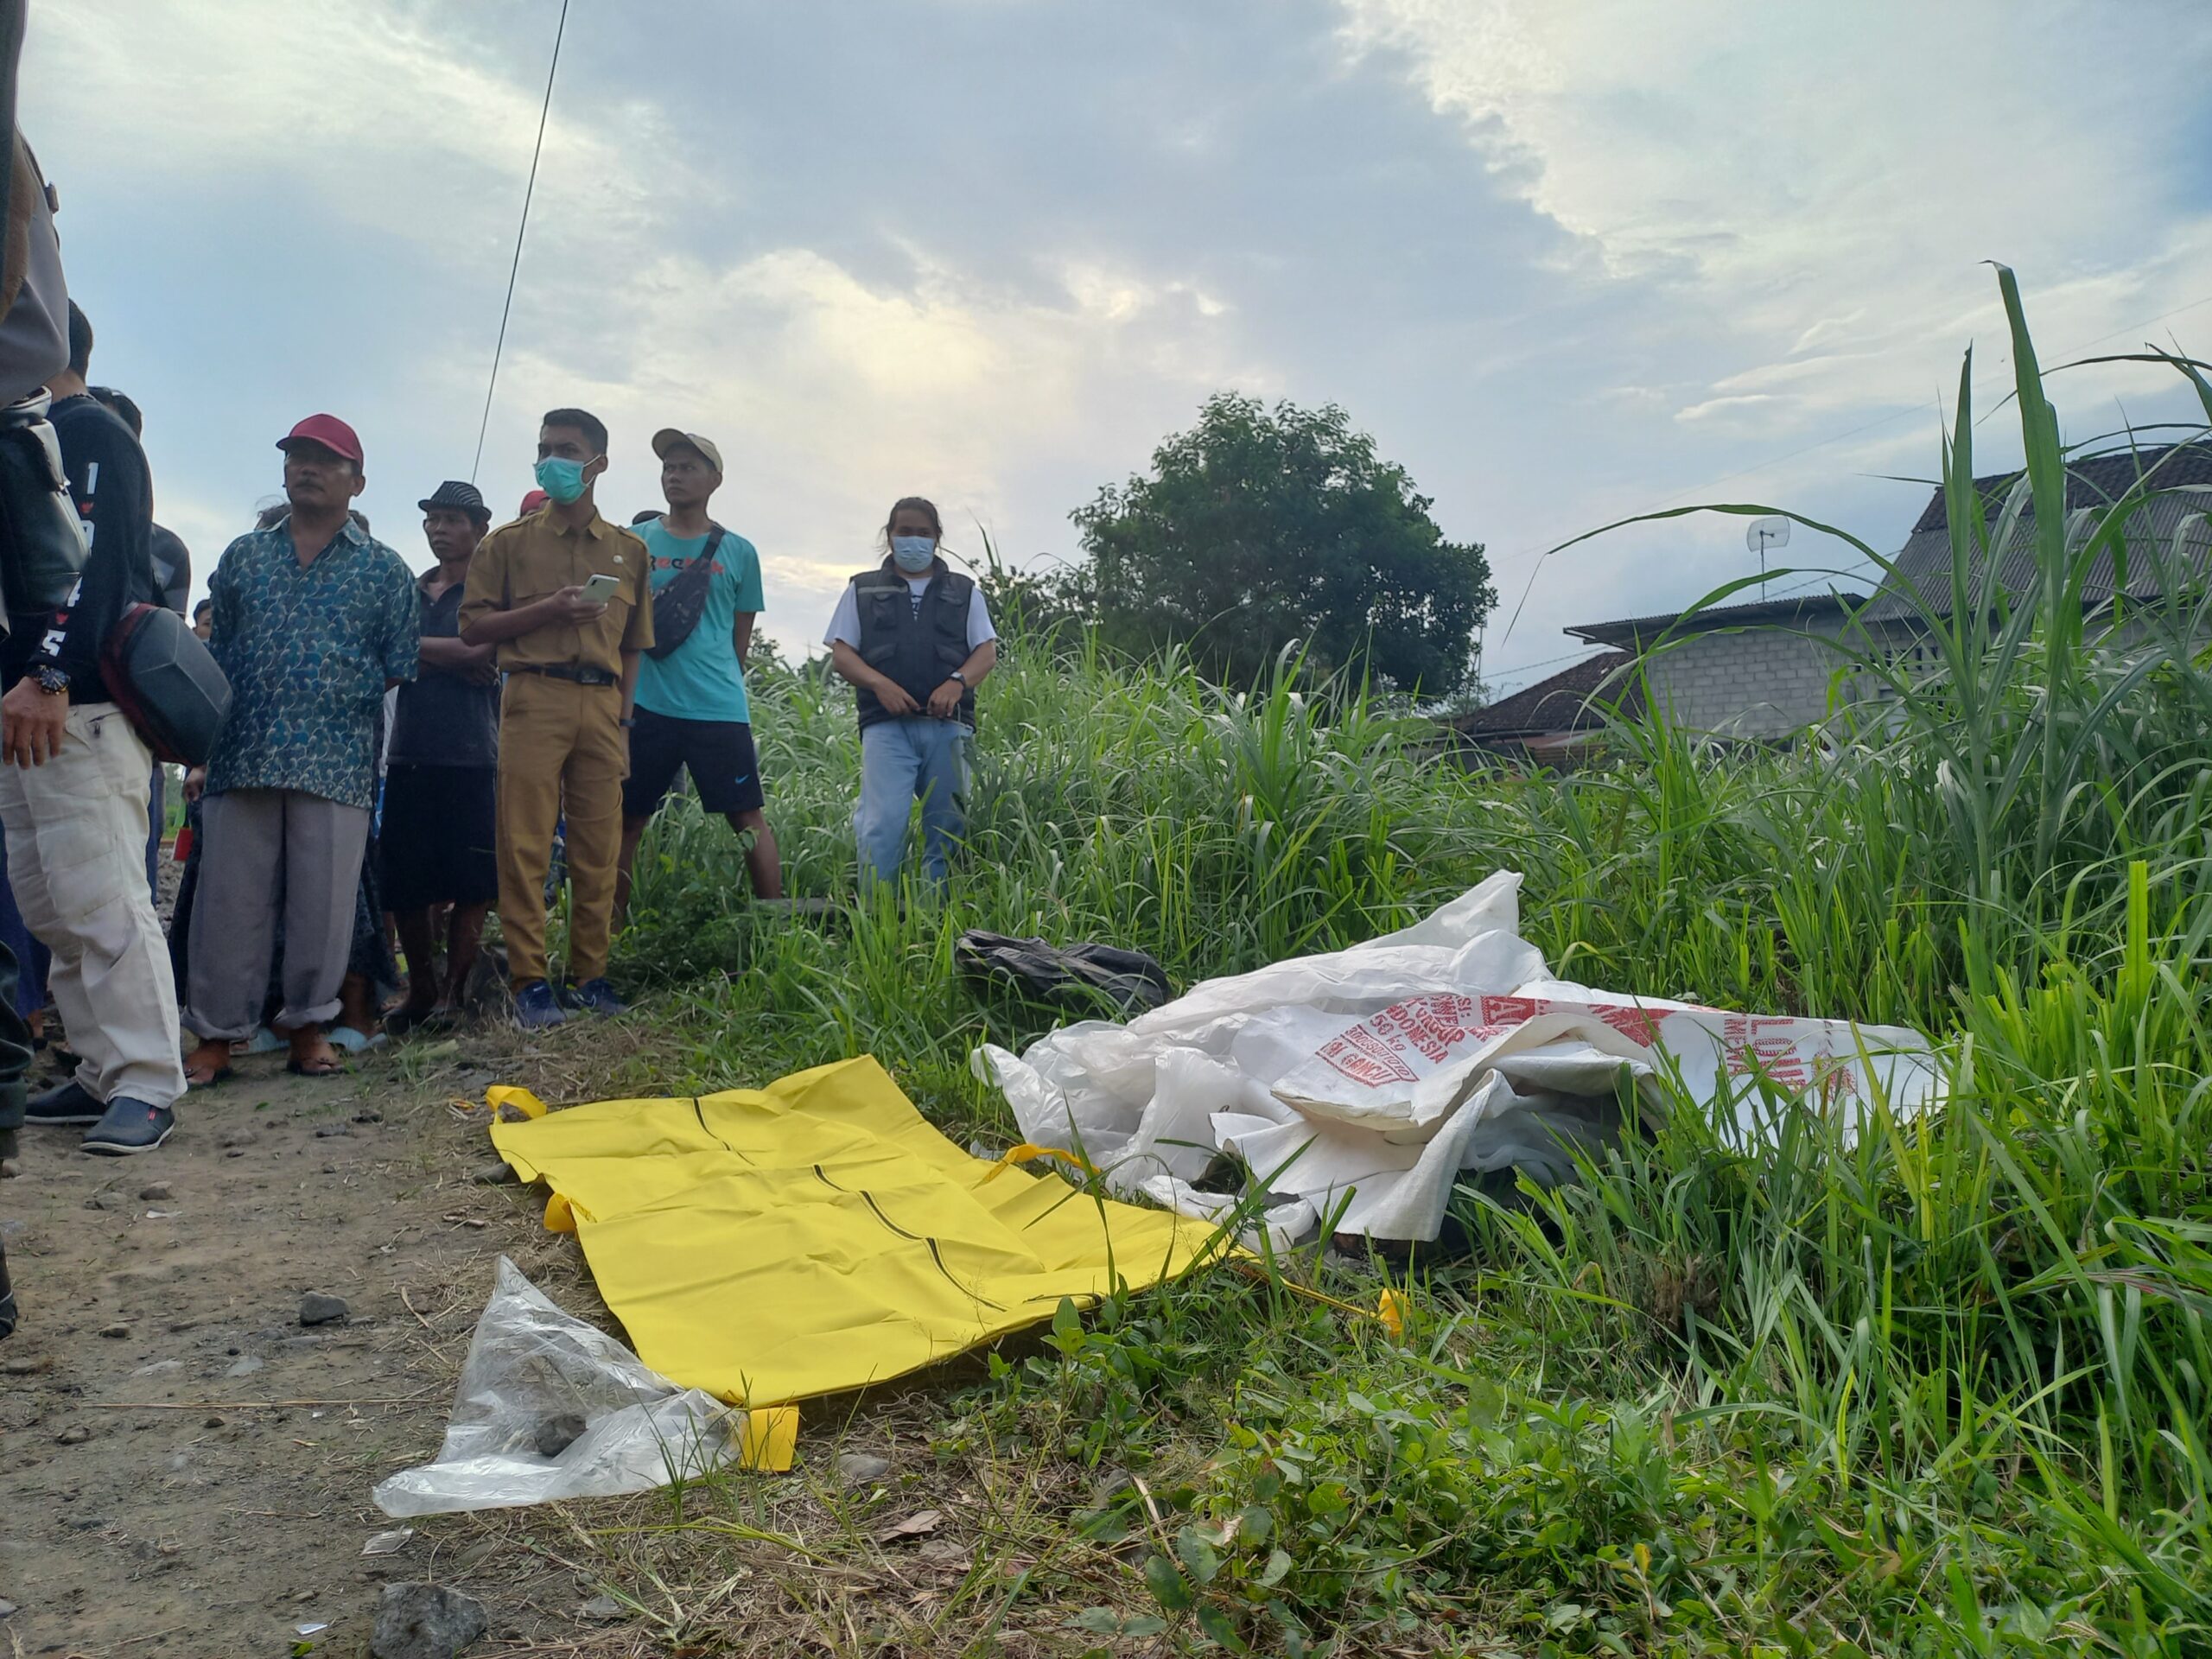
(172, 565)
(439, 842)
(74, 782)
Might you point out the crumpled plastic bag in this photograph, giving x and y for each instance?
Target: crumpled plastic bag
(1362, 1083)
(528, 1362)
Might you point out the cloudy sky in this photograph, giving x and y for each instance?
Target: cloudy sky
(1566, 262)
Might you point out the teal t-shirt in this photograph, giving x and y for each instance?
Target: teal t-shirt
(701, 678)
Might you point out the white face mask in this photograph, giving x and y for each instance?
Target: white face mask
(914, 554)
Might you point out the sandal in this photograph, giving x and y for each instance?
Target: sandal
(352, 1041)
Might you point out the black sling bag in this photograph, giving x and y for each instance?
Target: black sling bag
(678, 606)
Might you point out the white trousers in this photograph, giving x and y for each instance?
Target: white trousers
(77, 860)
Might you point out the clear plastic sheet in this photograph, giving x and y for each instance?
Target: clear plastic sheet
(531, 1365)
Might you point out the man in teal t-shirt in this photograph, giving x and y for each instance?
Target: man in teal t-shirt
(692, 708)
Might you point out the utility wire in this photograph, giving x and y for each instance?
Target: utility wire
(529, 190)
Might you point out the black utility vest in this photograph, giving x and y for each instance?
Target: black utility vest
(916, 650)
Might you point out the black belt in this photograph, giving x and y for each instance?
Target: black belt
(577, 673)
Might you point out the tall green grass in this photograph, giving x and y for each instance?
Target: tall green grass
(1942, 1389)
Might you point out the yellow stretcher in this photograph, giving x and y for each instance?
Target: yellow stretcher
(818, 1235)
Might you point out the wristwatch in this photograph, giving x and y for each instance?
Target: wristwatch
(957, 675)
(53, 681)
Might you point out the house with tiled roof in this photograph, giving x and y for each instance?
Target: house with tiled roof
(1770, 668)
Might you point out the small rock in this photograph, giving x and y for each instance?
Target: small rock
(156, 1192)
(94, 1204)
(557, 1433)
(245, 1367)
(235, 1152)
(317, 1308)
(75, 1434)
(604, 1609)
(117, 1332)
(159, 1367)
(6, 1608)
(211, 1422)
(25, 1366)
(424, 1621)
(494, 1175)
(861, 1468)
(368, 1115)
(238, 1138)
(328, 1130)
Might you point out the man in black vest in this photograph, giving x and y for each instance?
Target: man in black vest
(915, 639)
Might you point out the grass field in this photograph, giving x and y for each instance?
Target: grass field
(1943, 1390)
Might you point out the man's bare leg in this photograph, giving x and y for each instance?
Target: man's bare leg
(764, 861)
(418, 943)
(464, 944)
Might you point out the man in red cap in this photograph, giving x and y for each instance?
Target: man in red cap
(314, 621)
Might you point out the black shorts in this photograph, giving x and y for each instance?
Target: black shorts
(438, 842)
(718, 753)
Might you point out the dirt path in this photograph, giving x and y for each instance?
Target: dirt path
(152, 1501)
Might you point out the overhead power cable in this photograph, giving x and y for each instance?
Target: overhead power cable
(560, 30)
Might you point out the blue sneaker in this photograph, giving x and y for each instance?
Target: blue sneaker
(67, 1103)
(593, 996)
(129, 1126)
(535, 1008)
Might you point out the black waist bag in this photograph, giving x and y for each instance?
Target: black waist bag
(1078, 975)
(678, 606)
(166, 683)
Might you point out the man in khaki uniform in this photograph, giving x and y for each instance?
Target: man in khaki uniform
(564, 596)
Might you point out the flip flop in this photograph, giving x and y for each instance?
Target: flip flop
(352, 1041)
(314, 1068)
(221, 1074)
(263, 1041)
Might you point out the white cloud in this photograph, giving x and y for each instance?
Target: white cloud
(1825, 180)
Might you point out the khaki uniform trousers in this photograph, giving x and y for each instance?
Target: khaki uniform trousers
(563, 754)
(77, 860)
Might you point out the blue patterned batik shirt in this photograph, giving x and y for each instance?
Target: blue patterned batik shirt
(308, 649)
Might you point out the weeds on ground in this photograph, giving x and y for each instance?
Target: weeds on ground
(1941, 1388)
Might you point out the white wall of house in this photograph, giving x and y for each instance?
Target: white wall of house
(1755, 682)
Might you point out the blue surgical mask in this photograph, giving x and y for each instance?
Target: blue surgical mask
(561, 478)
(912, 554)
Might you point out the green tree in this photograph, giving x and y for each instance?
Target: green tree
(1261, 528)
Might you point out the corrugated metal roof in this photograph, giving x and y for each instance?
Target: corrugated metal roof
(1924, 562)
(1628, 630)
(1561, 703)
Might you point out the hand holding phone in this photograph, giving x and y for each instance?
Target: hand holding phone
(584, 602)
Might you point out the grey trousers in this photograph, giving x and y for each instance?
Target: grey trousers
(262, 849)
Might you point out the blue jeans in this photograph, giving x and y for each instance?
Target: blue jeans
(901, 759)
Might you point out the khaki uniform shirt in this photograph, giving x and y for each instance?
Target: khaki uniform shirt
(520, 563)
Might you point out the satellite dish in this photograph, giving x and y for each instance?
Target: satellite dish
(1765, 533)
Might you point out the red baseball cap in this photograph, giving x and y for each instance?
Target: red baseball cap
(328, 430)
(531, 503)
